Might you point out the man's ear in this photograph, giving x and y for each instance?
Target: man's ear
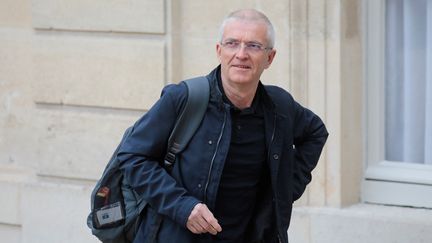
(270, 57)
(218, 52)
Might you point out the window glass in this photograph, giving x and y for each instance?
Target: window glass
(408, 81)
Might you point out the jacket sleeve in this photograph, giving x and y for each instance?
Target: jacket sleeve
(310, 135)
(142, 153)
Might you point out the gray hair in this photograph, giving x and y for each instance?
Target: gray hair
(249, 15)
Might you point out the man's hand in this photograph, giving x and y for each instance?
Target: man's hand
(201, 220)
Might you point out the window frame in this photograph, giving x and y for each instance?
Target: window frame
(385, 182)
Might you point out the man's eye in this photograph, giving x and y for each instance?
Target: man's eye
(254, 46)
(231, 44)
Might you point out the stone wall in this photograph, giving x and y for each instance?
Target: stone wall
(75, 74)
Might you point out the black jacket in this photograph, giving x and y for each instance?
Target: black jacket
(295, 137)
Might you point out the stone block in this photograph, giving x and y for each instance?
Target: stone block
(10, 233)
(360, 223)
(77, 143)
(144, 16)
(103, 72)
(15, 13)
(9, 201)
(56, 212)
(203, 18)
(299, 230)
(316, 89)
(15, 60)
(367, 228)
(12, 179)
(199, 56)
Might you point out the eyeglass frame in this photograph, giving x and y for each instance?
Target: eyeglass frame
(250, 46)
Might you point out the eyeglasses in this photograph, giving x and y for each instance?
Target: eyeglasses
(253, 47)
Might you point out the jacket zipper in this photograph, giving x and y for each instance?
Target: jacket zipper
(269, 156)
(213, 158)
(272, 137)
(274, 130)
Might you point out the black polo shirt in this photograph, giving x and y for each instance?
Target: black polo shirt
(243, 170)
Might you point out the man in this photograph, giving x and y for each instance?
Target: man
(249, 160)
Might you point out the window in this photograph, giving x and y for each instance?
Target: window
(398, 62)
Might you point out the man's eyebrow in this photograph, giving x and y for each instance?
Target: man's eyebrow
(230, 39)
(254, 42)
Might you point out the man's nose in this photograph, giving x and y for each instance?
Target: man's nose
(242, 52)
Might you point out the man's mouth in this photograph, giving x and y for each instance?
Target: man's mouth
(242, 66)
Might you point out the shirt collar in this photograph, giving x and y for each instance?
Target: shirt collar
(255, 102)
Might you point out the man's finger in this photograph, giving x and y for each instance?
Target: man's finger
(198, 227)
(202, 224)
(211, 220)
(202, 220)
(206, 226)
(211, 230)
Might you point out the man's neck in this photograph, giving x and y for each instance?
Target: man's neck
(240, 95)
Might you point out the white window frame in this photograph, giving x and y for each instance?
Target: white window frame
(385, 182)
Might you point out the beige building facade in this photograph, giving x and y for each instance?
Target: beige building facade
(75, 74)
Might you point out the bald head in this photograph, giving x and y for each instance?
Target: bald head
(249, 15)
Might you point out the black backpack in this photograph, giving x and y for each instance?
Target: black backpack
(115, 206)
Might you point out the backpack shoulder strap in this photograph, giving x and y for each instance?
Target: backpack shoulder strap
(189, 119)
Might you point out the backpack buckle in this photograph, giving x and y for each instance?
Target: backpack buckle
(169, 160)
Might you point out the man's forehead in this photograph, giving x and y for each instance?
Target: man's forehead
(246, 22)
(245, 27)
